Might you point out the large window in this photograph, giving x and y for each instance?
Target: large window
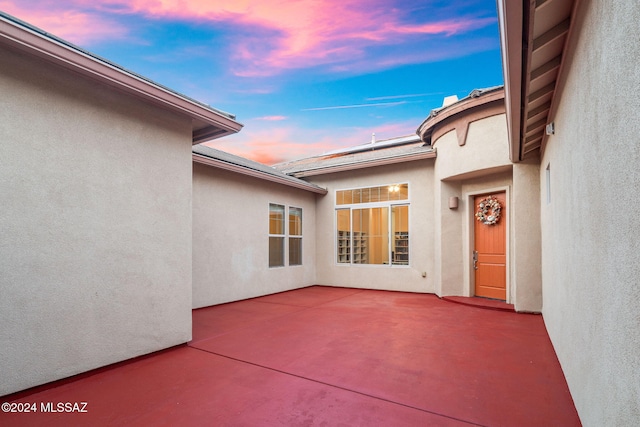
(285, 233)
(373, 225)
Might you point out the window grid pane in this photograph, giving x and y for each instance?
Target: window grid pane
(276, 219)
(344, 236)
(400, 233)
(295, 221)
(383, 193)
(295, 251)
(276, 251)
(370, 236)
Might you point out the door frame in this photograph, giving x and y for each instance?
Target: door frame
(469, 242)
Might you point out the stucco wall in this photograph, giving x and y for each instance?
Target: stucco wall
(450, 237)
(486, 148)
(590, 229)
(231, 237)
(526, 272)
(95, 254)
(419, 175)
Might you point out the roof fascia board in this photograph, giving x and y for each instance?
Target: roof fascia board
(510, 19)
(366, 164)
(51, 50)
(257, 174)
(410, 139)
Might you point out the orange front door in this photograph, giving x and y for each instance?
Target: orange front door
(490, 256)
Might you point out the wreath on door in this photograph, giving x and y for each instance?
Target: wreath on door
(488, 210)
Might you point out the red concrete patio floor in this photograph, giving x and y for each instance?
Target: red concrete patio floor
(323, 356)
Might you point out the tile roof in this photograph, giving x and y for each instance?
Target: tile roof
(377, 154)
(221, 159)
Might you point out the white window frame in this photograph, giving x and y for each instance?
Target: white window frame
(286, 261)
(388, 204)
(294, 236)
(277, 235)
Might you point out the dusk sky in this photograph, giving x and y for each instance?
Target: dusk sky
(303, 76)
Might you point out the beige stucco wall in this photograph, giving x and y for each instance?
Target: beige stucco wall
(95, 254)
(481, 166)
(419, 175)
(449, 239)
(590, 229)
(525, 253)
(231, 237)
(486, 148)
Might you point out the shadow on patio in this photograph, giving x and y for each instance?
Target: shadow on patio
(331, 356)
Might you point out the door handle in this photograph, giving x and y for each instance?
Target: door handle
(475, 260)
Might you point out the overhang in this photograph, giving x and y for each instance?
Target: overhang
(533, 36)
(208, 123)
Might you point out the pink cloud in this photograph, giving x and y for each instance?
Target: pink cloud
(272, 118)
(270, 145)
(446, 27)
(78, 27)
(278, 35)
(396, 129)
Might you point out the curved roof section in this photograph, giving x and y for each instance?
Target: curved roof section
(208, 123)
(223, 160)
(480, 103)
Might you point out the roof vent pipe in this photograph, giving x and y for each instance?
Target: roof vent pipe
(373, 138)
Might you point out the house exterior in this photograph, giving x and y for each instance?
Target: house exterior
(375, 216)
(460, 152)
(571, 82)
(95, 183)
(523, 193)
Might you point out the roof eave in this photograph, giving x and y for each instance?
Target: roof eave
(295, 183)
(510, 15)
(534, 36)
(208, 124)
(431, 154)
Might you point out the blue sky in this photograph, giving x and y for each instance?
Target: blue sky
(303, 76)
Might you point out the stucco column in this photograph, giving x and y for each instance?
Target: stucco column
(526, 246)
(451, 235)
